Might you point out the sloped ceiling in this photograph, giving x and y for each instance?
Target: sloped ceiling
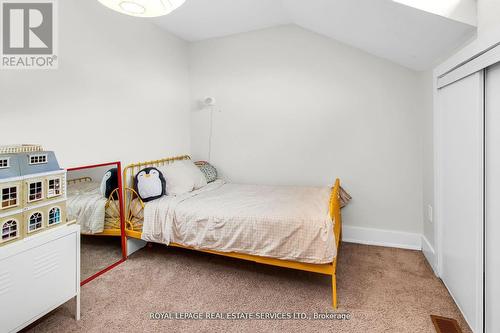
(410, 37)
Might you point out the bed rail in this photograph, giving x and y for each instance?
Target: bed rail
(336, 216)
(79, 180)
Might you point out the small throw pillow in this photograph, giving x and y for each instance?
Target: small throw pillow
(208, 170)
(109, 182)
(150, 184)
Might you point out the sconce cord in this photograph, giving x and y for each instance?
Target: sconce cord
(210, 135)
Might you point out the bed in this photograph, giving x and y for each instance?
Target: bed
(292, 227)
(97, 215)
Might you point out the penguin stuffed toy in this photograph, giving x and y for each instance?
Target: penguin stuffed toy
(109, 183)
(150, 184)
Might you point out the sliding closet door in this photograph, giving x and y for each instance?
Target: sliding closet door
(492, 229)
(460, 137)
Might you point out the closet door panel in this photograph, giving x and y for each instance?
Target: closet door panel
(460, 194)
(492, 230)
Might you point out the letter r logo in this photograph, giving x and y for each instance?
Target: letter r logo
(27, 28)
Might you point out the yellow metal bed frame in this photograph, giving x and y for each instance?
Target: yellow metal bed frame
(112, 210)
(133, 226)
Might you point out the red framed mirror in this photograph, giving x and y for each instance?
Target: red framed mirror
(95, 201)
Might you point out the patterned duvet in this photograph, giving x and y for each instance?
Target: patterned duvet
(88, 207)
(284, 222)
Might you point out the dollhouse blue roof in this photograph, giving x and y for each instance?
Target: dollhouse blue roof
(27, 163)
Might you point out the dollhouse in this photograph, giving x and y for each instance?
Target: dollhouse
(32, 192)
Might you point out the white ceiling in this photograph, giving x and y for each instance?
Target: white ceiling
(202, 19)
(410, 37)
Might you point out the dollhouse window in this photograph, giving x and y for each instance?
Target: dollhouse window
(54, 187)
(35, 191)
(9, 230)
(38, 159)
(35, 222)
(9, 197)
(4, 163)
(54, 216)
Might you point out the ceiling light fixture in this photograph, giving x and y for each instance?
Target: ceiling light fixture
(132, 7)
(143, 8)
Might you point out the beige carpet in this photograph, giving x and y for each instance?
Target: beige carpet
(98, 253)
(383, 289)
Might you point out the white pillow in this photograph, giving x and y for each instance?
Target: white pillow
(177, 179)
(182, 177)
(198, 177)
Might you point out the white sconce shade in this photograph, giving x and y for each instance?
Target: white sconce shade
(143, 8)
(209, 101)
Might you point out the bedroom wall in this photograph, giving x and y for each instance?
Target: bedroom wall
(121, 91)
(488, 12)
(299, 108)
(426, 108)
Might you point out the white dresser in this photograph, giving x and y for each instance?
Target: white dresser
(38, 274)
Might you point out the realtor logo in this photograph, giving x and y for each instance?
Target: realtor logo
(28, 34)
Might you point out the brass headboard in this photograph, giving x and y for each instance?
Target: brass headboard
(132, 169)
(136, 207)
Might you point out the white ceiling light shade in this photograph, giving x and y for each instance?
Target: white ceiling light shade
(143, 8)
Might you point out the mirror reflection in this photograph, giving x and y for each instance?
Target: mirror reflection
(94, 202)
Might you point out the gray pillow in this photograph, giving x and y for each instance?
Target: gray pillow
(208, 170)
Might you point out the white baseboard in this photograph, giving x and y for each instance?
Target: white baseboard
(379, 237)
(429, 253)
(360, 235)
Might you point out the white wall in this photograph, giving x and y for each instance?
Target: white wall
(463, 11)
(426, 109)
(298, 108)
(95, 173)
(121, 91)
(488, 15)
(459, 10)
(426, 106)
(488, 34)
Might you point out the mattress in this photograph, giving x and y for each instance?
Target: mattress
(87, 206)
(283, 222)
